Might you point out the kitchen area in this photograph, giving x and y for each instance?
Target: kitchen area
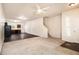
(13, 31)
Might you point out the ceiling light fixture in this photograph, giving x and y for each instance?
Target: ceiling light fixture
(72, 4)
(39, 11)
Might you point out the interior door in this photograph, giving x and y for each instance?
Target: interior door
(70, 25)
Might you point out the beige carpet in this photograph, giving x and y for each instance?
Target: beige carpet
(36, 46)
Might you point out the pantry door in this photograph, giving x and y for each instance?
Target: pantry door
(70, 25)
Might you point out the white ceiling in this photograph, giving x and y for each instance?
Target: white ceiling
(13, 10)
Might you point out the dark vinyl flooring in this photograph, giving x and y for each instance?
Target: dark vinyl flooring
(21, 36)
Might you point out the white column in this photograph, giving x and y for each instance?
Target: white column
(2, 20)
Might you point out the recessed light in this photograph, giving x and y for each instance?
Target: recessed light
(22, 18)
(16, 21)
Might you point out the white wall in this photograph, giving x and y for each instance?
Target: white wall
(36, 27)
(53, 25)
(70, 25)
(2, 20)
